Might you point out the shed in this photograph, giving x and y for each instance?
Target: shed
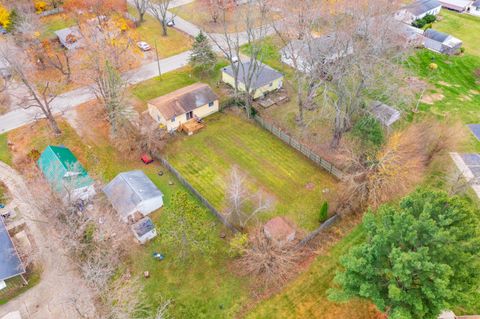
(441, 42)
(385, 114)
(194, 101)
(71, 38)
(10, 263)
(279, 230)
(133, 192)
(144, 230)
(65, 174)
(265, 79)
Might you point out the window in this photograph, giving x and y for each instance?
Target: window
(210, 104)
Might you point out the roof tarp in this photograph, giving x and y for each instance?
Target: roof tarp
(10, 263)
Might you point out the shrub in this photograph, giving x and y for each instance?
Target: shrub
(462, 50)
(419, 23)
(433, 66)
(429, 18)
(13, 21)
(40, 6)
(238, 245)
(369, 131)
(428, 26)
(323, 216)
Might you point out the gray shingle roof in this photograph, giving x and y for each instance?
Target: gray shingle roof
(419, 7)
(385, 114)
(476, 4)
(264, 76)
(143, 226)
(10, 263)
(435, 35)
(71, 38)
(128, 189)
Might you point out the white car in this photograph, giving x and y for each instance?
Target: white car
(144, 46)
(234, 59)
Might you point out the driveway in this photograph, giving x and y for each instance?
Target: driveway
(61, 292)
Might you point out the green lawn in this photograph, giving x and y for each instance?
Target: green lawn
(463, 26)
(150, 31)
(54, 23)
(15, 286)
(206, 159)
(5, 155)
(306, 297)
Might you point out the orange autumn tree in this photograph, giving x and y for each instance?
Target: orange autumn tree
(4, 17)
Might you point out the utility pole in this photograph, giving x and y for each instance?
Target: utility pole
(158, 60)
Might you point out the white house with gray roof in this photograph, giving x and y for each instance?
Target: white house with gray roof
(418, 9)
(264, 78)
(133, 195)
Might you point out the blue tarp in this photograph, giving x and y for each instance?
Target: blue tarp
(10, 263)
(475, 128)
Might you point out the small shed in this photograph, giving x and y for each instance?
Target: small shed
(144, 230)
(65, 174)
(280, 230)
(71, 38)
(265, 79)
(441, 42)
(10, 263)
(133, 192)
(455, 5)
(385, 114)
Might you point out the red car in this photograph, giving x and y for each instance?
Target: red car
(146, 159)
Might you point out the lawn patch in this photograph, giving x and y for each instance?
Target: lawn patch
(207, 158)
(463, 26)
(5, 155)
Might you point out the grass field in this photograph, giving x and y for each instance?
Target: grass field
(5, 155)
(463, 26)
(150, 31)
(206, 159)
(54, 23)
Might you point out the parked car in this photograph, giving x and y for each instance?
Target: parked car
(2, 30)
(144, 46)
(171, 23)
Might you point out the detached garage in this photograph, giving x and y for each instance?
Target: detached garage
(133, 195)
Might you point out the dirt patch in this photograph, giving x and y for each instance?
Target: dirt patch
(465, 98)
(310, 186)
(432, 98)
(474, 92)
(444, 83)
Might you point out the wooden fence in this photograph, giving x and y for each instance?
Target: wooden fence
(329, 167)
(197, 194)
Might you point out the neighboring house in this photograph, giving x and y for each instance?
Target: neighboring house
(469, 166)
(441, 42)
(326, 48)
(385, 114)
(279, 230)
(65, 174)
(70, 38)
(474, 8)
(194, 101)
(451, 315)
(412, 35)
(456, 5)
(10, 263)
(144, 230)
(133, 195)
(265, 80)
(417, 10)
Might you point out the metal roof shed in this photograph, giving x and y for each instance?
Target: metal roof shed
(10, 263)
(387, 115)
(132, 192)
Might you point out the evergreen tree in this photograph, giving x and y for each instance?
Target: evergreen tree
(418, 259)
(202, 58)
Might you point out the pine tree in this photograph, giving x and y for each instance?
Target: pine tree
(202, 58)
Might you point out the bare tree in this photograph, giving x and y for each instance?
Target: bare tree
(240, 212)
(141, 6)
(40, 95)
(250, 28)
(159, 9)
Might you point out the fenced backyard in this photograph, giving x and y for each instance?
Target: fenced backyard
(205, 160)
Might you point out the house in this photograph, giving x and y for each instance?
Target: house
(412, 35)
(474, 8)
(385, 114)
(279, 230)
(451, 315)
(265, 80)
(326, 48)
(455, 5)
(469, 166)
(65, 174)
(10, 263)
(71, 38)
(133, 195)
(441, 42)
(195, 101)
(144, 230)
(417, 10)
